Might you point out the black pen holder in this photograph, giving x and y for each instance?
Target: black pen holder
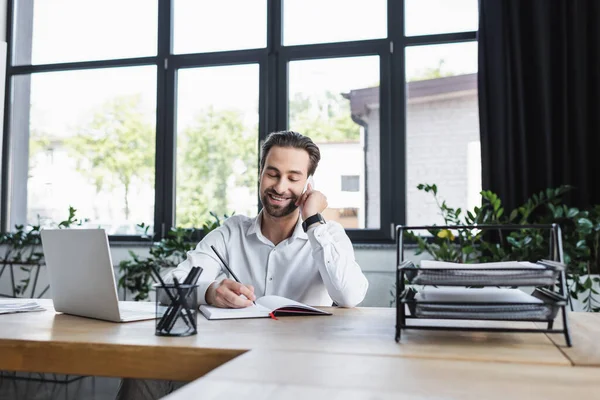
(176, 310)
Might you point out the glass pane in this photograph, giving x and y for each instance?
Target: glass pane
(442, 136)
(75, 30)
(209, 25)
(428, 17)
(327, 21)
(336, 103)
(84, 139)
(217, 143)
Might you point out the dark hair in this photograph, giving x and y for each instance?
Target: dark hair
(295, 140)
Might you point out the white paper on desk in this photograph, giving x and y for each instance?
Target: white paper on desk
(10, 306)
(500, 264)
(479, 303)
(471, 295)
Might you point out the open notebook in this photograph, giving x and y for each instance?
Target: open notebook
(279, 306)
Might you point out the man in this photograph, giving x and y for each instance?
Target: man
(287, 250)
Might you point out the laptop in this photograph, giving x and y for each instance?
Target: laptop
(81, 276)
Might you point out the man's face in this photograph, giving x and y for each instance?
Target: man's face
(282, 180)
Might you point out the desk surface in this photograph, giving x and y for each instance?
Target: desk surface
(262, 374)
(585, 333)
(49, 342)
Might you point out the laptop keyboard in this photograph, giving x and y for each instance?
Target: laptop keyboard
(126, 311)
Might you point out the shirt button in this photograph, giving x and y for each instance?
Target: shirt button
(271, 278)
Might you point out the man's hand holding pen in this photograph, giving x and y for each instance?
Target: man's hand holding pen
(230, 294)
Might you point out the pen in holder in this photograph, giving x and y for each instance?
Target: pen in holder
(179, 318)
(177, 305)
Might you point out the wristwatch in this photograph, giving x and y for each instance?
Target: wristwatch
(311, 220)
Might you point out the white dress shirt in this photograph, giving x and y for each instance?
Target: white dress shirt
(315, 268)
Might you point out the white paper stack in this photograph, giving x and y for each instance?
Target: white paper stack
(12, 306)
(508, 273)
(484, 303)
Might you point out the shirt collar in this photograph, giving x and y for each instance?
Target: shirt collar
(254, 228)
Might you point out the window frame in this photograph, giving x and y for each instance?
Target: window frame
(273, 103)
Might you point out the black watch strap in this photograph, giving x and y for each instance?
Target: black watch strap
(311, 220)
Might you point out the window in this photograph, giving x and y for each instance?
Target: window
(427, 17)
(72, 30)
(153, 112)
(442, 125)
(350, 183)
(324, 21)
(84, 139)
(217, 142)
(209, 25)
(321, 100)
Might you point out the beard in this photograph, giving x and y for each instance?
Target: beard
(275, 210)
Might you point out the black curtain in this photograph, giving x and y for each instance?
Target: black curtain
(539, 98)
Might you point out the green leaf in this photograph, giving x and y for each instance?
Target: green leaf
(558, 213)
(496, 204)
(572, 212)
(585, 223)
(514, 214)
(513, 241)
(574, 295)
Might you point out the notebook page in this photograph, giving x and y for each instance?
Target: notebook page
(254, 311)
(277, 302)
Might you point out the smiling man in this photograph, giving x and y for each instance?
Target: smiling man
(288, 249)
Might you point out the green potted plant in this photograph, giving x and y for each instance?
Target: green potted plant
(580, 237)
(23, 249)
(166, 253)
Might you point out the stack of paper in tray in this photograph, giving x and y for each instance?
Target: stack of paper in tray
(474, 295)
(480, 303)
(509, 273)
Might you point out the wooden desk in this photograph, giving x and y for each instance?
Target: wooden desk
(585, 334)
(298, 375)
(49, 342)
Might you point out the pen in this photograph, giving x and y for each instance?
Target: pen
(184, 303)
(164, 317)
(225, 265)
